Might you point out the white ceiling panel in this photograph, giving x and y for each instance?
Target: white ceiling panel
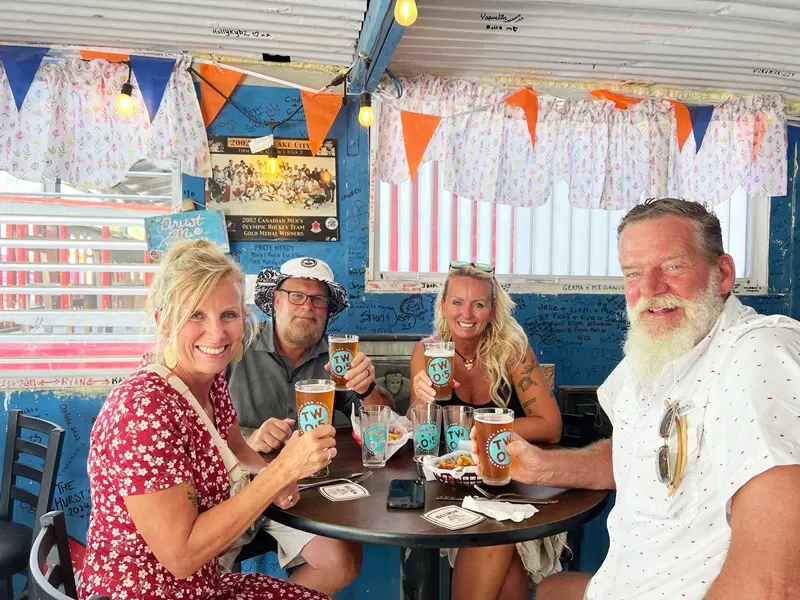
(318, 31)
(747, 46)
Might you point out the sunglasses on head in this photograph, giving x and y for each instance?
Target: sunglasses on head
(461, 264)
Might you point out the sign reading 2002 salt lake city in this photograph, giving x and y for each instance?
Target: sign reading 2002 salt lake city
(296, 201)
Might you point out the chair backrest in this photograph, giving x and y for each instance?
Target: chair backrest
(51, 576)
(48, 450)
(577, 431)
(50, 563)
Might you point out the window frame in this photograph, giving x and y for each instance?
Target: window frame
(757, 284)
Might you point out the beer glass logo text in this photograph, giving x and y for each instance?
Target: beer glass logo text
(312, 415)
(440, 370)
(454, 434)
(497, 448)
(340, 362)
(427, 436)
(375, 438)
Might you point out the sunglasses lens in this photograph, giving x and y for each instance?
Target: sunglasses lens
(663, 466)
(667, 421)
(459, 264)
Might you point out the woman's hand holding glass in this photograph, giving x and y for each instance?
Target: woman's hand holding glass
(423, 387)
(304, 455)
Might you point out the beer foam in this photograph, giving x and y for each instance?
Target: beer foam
(440, 353)
(494, 418)
(316, 388)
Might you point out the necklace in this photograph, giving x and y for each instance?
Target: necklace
(468, 363)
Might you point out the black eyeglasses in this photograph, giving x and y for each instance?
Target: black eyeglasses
(462, 264)
(299, 298)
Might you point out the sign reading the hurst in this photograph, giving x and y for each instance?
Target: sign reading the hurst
(291, 197)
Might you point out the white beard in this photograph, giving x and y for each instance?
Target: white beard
(650, 350)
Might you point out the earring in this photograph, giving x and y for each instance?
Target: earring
(170, 357)
(238, 354)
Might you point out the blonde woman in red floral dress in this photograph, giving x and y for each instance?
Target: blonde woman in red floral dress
(161, 506)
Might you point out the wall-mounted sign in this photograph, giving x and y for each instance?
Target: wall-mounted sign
(163, 230)
(291, 197)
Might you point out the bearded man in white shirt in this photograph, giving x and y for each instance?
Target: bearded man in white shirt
(706, 399)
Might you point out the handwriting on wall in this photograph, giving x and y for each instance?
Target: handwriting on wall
(88, 380)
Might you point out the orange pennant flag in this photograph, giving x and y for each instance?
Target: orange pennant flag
(321, 111)
(418, 129)
(621, 101)
(211, 102)
(683, 121)
(528, 101)
(109, 56)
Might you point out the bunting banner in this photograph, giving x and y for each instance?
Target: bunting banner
(225, 80)
(109, 56)
(152, 76)
(21, 64)
(701, 117)
(621, 101)
(418, 129)
(321, 111)
(683, 122)
(528, 101)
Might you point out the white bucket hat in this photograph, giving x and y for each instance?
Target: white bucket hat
(304, 267)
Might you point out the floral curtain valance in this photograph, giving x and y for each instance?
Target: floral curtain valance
(608, 157)
(69, 127)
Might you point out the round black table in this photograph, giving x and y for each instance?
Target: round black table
(367, 520)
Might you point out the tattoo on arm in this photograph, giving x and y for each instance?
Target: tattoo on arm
(192, 492)
(526, 382)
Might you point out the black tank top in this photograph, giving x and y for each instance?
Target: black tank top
(513, 403)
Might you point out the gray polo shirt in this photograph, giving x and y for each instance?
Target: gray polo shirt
(262, 383)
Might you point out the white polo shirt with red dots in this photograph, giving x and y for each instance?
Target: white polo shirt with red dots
(741, 386)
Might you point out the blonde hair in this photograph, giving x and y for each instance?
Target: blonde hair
(186, 275)
(503, 344)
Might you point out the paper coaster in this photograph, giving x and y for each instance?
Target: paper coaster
(343, 491)
(453, 517)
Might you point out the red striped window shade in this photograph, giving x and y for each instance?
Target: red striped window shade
(74, 271)
(421, 227)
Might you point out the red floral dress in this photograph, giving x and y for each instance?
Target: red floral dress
(147, 438)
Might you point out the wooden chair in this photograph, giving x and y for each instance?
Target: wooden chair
(15, 538)
(50, 564)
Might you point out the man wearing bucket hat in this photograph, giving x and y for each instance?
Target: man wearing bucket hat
(290, 347)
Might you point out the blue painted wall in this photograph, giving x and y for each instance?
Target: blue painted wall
(580, 334)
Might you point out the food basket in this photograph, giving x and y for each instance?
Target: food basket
(457, 476)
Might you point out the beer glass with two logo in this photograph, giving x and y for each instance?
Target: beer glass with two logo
(373, 421)
(314, 399)
(457, 424)
(342, 350)
(494, 428)
(439, 367)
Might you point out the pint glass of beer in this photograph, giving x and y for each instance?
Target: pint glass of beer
(314, 399)
(342, 349)
(494, 427)
(439, 367)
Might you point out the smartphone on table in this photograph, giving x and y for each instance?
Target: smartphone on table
(406, 493)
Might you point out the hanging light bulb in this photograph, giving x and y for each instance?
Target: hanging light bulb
(365, 114)
(125, 98)
(405, 12)
(272, 162)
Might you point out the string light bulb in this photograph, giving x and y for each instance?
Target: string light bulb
(125, 98)
(272, 162)
(365, 114)
(405, 12)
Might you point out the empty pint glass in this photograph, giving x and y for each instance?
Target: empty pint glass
(457, 424)
(342, 349)
(427, 421)
(373, 421)
(439, 367)
(494, 427)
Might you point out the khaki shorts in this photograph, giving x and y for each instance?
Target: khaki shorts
(290, 542)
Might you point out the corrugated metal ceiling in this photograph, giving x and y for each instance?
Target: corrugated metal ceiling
(315, 31)
(748, 46)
